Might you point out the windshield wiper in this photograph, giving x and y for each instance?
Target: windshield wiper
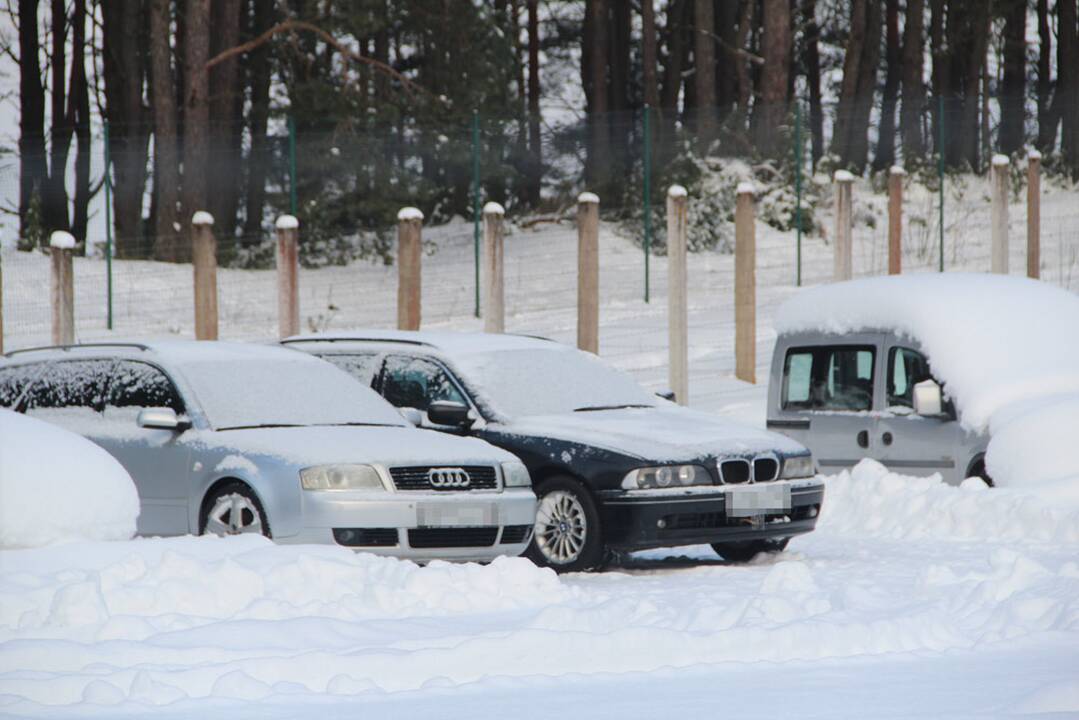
(255, 427)
(591, 408)
(360, 424)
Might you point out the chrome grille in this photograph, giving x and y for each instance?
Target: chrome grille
(734, 472)
(418, 477)
(765, 469)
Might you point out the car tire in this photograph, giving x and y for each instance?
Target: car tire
(567, 536)
(233, 509)
(746, 550)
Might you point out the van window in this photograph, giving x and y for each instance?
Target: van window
(906, 368)
(838, 377)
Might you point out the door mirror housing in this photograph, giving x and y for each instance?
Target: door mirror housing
(927, 398)
(449, 413)
(667, 395)
(161, 419)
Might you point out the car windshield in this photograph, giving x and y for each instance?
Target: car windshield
(300, 391)
(537, 381)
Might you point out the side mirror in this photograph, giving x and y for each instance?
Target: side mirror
(927, 399)
(161, 419)
(449, 413)
(667, 395)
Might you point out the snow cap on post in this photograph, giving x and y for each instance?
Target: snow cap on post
(1034, 155)
(746, 188)
(409, 213)
(287, 222)
(676, 191)
(1000, 160)
(62, 240)
(588, 197)
(843, 176)
(202, 218)
(493, 208)
(897, 170)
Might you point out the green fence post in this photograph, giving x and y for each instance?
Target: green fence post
(798, 185)
(292, 166)
(476, 203)
(108, 231)
(647, 199)
(940, 175)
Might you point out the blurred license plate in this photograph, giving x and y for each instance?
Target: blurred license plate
(456, 514)
(758, 500)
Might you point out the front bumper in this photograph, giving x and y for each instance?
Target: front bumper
(633, 521)
(461, 526)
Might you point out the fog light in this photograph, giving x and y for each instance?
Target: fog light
(812, 511)
(661, 523)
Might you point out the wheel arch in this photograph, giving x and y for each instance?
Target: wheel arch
(220, 483)
(976, 468)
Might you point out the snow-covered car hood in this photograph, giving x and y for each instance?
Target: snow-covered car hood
(317, 445)
(658, 433)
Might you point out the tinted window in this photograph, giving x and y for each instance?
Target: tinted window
(71, 384)
(906, 368)
(416, 383)
(138, 385)
(13, 381)
(360, 366)
(829, 378)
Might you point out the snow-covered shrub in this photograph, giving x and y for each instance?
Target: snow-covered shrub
(58, 487)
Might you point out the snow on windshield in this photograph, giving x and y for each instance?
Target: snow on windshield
(1006, 349)
(546, 381)
(296, 390)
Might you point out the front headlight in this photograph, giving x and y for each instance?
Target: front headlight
(665, 477)
(341, 477)
(515, 474)
(798, 466)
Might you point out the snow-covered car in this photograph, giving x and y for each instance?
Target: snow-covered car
(615, 467)
(931, 373)
(230, 438)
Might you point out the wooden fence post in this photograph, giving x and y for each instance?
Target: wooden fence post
(844, 264)
(1, 306)
(745, 285)
(1034, 214)
(677, 294)
(998, 222)
(494, 306)
(204, 258)
(895, 219)
(62, 287)
(288, 275)
(588, 272)
(409, 257)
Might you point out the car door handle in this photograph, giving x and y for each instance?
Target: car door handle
(886, 438)
(863, 439)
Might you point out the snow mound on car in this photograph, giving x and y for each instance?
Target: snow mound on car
(58, 487)
(1005, 347)
(870, 501)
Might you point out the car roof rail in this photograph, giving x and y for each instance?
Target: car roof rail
(398, 341)
(79, 346)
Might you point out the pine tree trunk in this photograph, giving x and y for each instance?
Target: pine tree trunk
(1046, 121)
(648, 54)
(223, 173)
(596, 50)
(704, 63)
(674, 33)
(535, 141)
(257, 120)
(910, 116)
(1068, 83)
(1013, 90)
(80, 99)
(885, 156)
(33, 172)
(54, 197)
(196, 106)
(811, 59)
(776, 47)
(940, 79)
(167, 225)
(726, 13)
(867, 83)
(842, 132)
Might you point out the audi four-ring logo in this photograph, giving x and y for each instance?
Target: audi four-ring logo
(448, 478)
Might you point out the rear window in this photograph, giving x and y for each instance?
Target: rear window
(837, 377)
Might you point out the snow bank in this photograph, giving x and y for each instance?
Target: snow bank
(1000, 344)
(870, 501)
(58, 487)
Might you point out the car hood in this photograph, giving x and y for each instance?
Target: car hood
(306, 446)
(666, 434)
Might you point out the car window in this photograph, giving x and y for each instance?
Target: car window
(13, 383)
(416, 383)
(361, 366)
(906, 368)
(836, 377)
(140, 385)
(70, 384)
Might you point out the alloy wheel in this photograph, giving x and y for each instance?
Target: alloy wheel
(561, 527)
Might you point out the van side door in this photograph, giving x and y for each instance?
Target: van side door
(827, 397)
(912, 444)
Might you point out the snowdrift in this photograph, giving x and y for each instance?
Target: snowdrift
(1007, 348)
(57, 487)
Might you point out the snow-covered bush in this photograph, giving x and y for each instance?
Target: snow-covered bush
(58, 487)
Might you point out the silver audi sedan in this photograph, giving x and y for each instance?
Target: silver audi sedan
(233, 438)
